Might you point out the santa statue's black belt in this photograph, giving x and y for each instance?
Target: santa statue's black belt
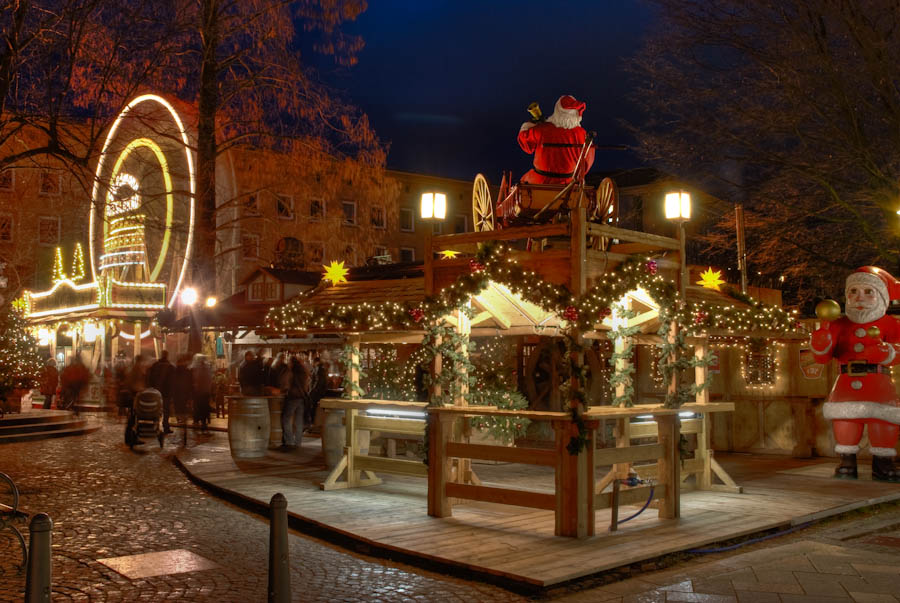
(858, 369)
(562, 145)
(551, 174)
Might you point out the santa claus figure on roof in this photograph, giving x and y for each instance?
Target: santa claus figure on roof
(556, 143)
(866, 342)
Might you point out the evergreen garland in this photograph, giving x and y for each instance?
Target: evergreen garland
(346, 359)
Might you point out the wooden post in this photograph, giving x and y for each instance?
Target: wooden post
(670, 466)
(622, 428)
(574, 482)
(353, 370)
(439, 427)
(703, 453)
(464, 328)
(578, 250)
(113, 344)
(352, 447)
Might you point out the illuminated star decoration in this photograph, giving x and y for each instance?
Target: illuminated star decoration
(449, 254)
(710, 279)
(335, 272)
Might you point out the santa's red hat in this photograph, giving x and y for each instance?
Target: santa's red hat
(879, 279)
(570, 103)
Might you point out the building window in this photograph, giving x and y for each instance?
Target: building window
(759, 363)
(349, 256)
(406, 220)
(50, 183)
(6, 180)
(48, 230)
(251, 205)
(284, 205)
(382, 251)
(379, 220)
(316, 210)
(6, 228)
(271, 290)
(316, 253)
(250, 246)
(461, 223)
(407, 254)
(349, 209)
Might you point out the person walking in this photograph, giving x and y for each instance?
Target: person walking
(73, 380)
(160, 377)
(49, 382)
(318, 389)
(250, 375)
(182, 391)
(203, 390)
(294, 403)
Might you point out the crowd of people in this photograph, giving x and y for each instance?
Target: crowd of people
(292, 375)
(192, 389)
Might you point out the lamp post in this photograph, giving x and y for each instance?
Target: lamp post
(678, 209)
(433, 207)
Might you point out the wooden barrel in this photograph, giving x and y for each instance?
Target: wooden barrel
(248, 426)
(334, 438)
(276, 404)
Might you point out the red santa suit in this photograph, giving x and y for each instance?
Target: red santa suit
(864, 394)
(556, 144)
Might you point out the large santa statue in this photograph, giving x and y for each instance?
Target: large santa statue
(865, 342)
(556, 144)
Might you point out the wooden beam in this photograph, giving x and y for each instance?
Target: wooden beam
(386, 465)
(670, 467)
(660, 242)
(439, 427)
(627, 454)
(631, 496)
(504, 496)
(503, 454)
(505, 234)
(485, 304)
(389, 425)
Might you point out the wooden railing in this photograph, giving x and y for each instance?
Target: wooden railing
(353, 463)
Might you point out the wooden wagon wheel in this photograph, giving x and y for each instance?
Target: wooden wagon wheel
(543, 373)
(482, 208)
(606, 211)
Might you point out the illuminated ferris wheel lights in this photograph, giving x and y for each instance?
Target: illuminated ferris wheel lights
(189, 296)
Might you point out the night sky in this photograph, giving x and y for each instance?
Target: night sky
(445, 83)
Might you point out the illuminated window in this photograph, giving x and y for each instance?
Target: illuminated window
(48, 230)
(6, 180)
(437, 227)
(6, 228)
(460, 224)
(380, 250)
(50, 183)
(407, 223)
(250, 246)
(251, 205)
(284, 205)
(316, 210)
(316, 252)
(349, 209)
(407, 254)
(379, 220)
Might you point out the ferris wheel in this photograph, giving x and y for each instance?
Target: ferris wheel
(143, 200)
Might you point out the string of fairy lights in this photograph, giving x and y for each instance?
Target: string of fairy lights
(494, 263)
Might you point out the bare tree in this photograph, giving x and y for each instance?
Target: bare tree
(791, 107)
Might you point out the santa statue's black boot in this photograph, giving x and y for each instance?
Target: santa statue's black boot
(884, 469)
(847, 468)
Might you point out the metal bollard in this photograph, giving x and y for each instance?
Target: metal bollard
(37, 579)
(279, 561)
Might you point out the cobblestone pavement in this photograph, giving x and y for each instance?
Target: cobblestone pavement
(107, 501)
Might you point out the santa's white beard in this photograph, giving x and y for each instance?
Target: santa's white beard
(866, 314)
(566, 119)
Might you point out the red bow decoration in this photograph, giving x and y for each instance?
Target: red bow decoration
(605, 312)
(417, 314)
(652, 267)
(570, 313)
(700, 317)
(475, 265)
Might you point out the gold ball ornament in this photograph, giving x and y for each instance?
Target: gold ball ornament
(828, 309)
(873, 331)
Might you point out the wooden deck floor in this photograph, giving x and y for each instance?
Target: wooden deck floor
(518, 544)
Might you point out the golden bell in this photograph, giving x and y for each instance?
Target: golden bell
(828, 309)
(535, 110)
(873, 332)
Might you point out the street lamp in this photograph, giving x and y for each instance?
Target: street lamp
(434, 205)
(678, 209)
(211, 301)
(189, 296)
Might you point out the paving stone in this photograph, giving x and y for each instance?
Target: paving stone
(872, 598)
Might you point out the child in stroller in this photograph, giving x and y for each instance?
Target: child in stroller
(145, 418)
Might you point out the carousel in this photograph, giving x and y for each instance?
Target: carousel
(141, 221)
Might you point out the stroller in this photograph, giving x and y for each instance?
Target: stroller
(145, 418)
